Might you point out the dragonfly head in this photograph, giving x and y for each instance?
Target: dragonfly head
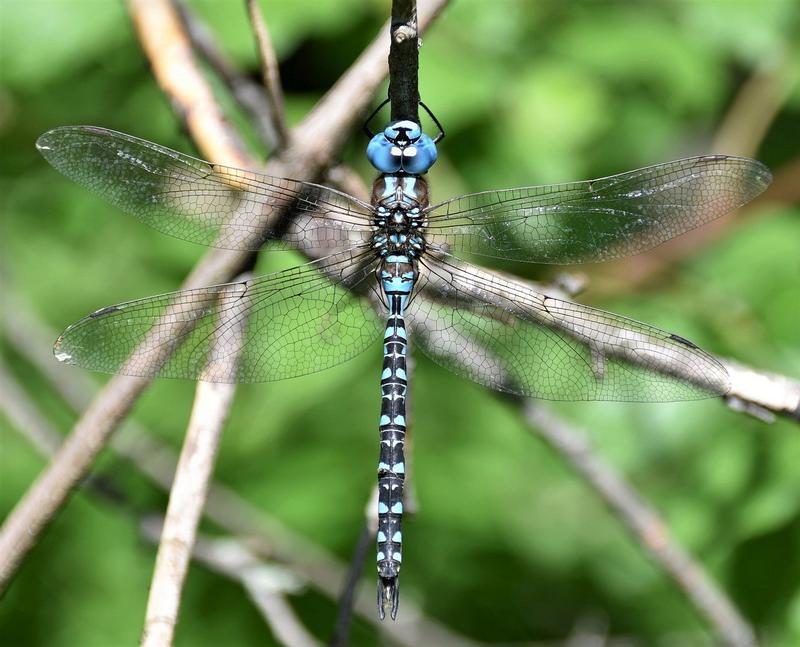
(402, 147)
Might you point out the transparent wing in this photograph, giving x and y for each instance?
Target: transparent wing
(202, 202)
(599, 219)
(273, 327)
(501, 334)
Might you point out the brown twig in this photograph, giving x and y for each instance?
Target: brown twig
(404, 61)
(23, 414)
(317, 139)
(246, 93)
(755, 107)
(270, 74)
(189, 490)
(346, 600)
(266, 583)
(761, 393)
(645, 525)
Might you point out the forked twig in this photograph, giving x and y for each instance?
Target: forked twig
(248, 94)
(267, 584)
(270, 74)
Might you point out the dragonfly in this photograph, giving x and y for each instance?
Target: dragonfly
(393, 269)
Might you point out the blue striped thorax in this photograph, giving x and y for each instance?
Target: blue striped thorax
(402, 147)
(399, 221)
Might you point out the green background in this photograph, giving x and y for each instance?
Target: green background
(508, 544)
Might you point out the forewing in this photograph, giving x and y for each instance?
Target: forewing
(600, 219)
(500, 333)
(272, 327)
(202, 202)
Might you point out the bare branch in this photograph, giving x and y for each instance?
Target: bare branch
(187, 497)
(266, 583)
(249, 95)
(650, 530)
(772, 392)
(753, 390)
(755, 107)
(270, 74)
(169, 51)
(23, 414)
(642, 520)
(46, 496)
(366, 542)
(404, 61)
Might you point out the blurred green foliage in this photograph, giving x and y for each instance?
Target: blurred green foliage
(508, 545)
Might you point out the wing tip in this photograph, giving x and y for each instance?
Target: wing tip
(753, 170)
(63, 356)
(761, 174)
(51, 141)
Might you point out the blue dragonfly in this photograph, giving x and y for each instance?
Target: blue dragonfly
(395, 255)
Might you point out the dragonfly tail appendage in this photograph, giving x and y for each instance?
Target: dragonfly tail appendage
(388, 596)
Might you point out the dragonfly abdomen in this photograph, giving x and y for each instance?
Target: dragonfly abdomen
(397, 279)
(391, 464)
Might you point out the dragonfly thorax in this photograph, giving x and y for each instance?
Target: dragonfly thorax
(399, 203)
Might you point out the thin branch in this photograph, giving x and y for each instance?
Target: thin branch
(640, 518)
(761, 393)
(366, 542)
(317, 138)
(755, 107)
(189, 490)
(47, 495)
(249, 95)
(167, 48)
(643, 521)
(404, 61)
(270, 74)
(266, 583)
(252, 99)
(23, 414)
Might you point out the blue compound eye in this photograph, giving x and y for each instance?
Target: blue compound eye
(402, 147)
(423, 158)
(380, 154)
